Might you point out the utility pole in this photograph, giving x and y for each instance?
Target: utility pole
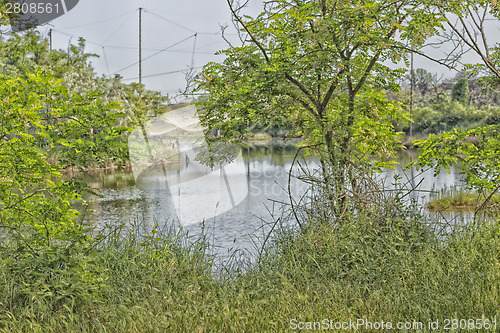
(411, 96)
(50, 39)
(140, 44)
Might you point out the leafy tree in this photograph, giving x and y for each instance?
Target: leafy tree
(460, 91)
(28, 52)
(23, 53)
(422, 80)
(55, 113)
(138, 104)
(321, 65)
(41, 231)
(477, 148)
(467, 29)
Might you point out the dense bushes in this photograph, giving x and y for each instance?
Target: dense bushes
(441, 117)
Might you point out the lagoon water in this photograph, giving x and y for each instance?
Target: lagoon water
(234, 206)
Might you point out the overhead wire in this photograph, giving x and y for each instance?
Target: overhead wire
(186, 50)
(159, 74)
(98, 22)
(119, 27)
(103, 45)
(184, 27)
(130, 47)
(72, 36)
(156, 53)
(133, 48)
(105, 59)
(173, 12)
(170, 21)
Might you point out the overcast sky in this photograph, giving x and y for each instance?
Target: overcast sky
(168, 30)
(169, 43)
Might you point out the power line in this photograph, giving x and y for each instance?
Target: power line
(98, 22)
(130, 47)
(160, 74)
(119, 27)
(71, 36)
(135, 63)
(193, 49)
(133, 48)
(186, 50)
(203, 16)
(172, 22)
(217, 33)
(105, 59)
(101, 44)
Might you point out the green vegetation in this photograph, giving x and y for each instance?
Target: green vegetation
(441, 117)
(23, 55)
(463, 201)
(460, 91)
(390, 269)
(54, 115)
(319, 67)
(438, 108)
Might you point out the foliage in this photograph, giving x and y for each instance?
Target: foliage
(468, 25)
(440, 117)
(460, 91)
(29, 52)
(319, 65)
(464, 201)
(492, 116)
(477, 149)
(433, 89)
(138, 105)
(55, 113)
(38, 115)
(391, 271)
(422, 80)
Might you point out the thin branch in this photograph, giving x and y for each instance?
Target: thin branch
(264, 53)
(305, 105)
(483, 35)
(331, 89)
(303, 89)
(377, 55)
(223, 29)
(441, 62)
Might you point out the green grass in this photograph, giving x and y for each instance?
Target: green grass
(462, 201)
(376, 269)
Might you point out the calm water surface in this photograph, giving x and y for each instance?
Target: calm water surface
(234, 205)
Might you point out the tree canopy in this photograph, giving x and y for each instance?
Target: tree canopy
(322, 65)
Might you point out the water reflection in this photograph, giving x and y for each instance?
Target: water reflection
(259, 180)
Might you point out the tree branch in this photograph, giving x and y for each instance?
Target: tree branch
(303, 89)
(331, 89)
(264, 53)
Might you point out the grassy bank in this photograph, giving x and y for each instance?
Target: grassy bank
(463, 201)
(390, 270)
